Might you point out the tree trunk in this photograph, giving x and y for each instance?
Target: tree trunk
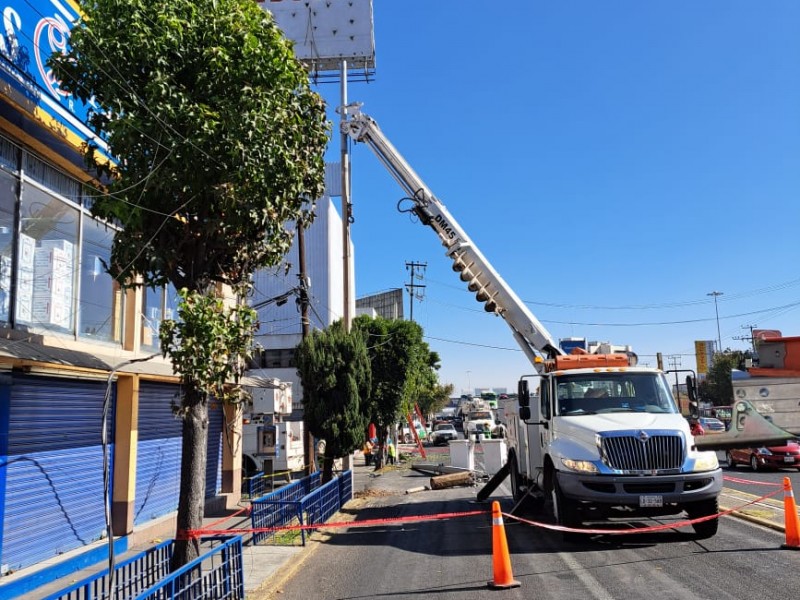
(191, 503)
(327, 467)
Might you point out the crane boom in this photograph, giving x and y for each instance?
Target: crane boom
(473, 268)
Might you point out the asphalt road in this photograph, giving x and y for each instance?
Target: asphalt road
(452, 558)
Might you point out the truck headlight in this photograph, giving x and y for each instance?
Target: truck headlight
(580, 466)
(707, 461)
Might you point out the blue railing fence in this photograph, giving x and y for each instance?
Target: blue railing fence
(304, 502)
(217, 573)
(263, 483)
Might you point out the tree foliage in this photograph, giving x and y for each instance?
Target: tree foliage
(335, 373)
(717, 388)
(403, 369)
(218, 136)
(208, 342)
(217, 141)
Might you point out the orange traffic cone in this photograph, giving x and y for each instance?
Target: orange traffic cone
(501, 561)
(792, 527)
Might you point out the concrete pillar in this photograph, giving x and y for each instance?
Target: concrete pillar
(125, 447)
(232, 453)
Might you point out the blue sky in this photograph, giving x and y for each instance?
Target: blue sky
(615, 161)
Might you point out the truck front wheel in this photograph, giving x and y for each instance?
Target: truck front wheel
(564, 512)
(704, 508)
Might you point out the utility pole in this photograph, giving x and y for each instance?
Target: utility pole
(347, 207)
(675, 362)
(411, 286)
(750, 339)
(716, 311)
(302, 300)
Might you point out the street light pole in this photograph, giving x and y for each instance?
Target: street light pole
(716, 311)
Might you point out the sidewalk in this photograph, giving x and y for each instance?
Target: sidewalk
(260, 563)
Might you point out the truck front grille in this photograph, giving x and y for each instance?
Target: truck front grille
(642, 452)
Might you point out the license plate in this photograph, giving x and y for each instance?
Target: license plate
(651, 501)
(788, 459)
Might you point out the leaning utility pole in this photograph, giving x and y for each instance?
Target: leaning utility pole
(411, 286)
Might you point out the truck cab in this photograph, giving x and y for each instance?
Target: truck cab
(480, 421)
(612, 440)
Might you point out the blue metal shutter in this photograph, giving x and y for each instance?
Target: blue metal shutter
(216, 438)
(158, 462)
(54, 478)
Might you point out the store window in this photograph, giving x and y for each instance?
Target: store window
(8, 199)
(47, 258)
(100, 306)
(159, 304)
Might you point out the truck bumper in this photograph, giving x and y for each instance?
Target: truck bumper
(628, 491)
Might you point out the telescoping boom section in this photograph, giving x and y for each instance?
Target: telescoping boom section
(473, 268)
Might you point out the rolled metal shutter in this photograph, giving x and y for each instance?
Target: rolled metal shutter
(158, 462)
(216, 438)
(54, 470)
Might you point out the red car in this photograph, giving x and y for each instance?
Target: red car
(773, 457)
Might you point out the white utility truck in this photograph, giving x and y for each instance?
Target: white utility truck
(270, 444)
(604, 437)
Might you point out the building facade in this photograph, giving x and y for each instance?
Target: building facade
(74, 409)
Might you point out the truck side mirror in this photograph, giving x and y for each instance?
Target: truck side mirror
(524, 412)
(524, 395)
(691, 389)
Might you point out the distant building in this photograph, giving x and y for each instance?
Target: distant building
(388, 305)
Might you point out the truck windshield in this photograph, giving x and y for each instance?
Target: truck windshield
(482, 414)
(592, 393)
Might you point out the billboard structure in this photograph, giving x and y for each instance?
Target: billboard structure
(327, 33)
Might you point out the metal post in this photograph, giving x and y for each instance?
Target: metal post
(347, 216)
(716, 311)
(346, 206)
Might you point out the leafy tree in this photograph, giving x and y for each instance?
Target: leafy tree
(388, 345)
(435, 398)
(218, 141)
(335, 372)
(403, 370)
(718, 387)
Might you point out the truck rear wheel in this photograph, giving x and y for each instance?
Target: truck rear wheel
(704, 508)
(516, 488)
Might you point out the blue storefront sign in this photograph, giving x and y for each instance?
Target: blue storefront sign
(32, 30)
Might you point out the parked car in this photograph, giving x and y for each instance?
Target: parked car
(443, 433)
(772, 457)
(711, 425)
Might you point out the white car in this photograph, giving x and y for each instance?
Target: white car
(443, 433)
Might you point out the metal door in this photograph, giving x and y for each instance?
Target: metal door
(53, 467)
